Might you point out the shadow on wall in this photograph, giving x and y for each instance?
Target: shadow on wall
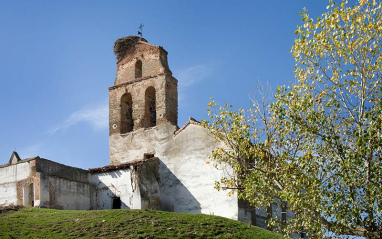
(108, 196)
(174, 196)
(117, 174)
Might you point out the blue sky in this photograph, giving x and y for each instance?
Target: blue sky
(57, 62)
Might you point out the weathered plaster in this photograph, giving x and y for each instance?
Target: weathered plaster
(131, 146)
(114, 184)
(186, 156)
(63, 187)
(137, 186)
(12, 180)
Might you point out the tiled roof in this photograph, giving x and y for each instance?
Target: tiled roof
(109, 168)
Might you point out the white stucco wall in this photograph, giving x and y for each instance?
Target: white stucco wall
(186, 180)
(193, 189)
(8, 194)
(8, 182)
(130, 147)
(115, 184)
(14, 173)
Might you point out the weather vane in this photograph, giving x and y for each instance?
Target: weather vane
(140, 29)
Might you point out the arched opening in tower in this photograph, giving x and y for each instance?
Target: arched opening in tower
(138, 69)
(150, 108)
(127, 122)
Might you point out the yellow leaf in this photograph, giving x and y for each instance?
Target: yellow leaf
(342, 5)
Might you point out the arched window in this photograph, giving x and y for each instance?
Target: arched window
(138, 69)
(127, 122)
(150, 108)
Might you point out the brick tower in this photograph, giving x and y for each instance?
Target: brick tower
(144, 97)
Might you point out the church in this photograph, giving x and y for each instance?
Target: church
(154, 164)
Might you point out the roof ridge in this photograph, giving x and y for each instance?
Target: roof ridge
(189, 121)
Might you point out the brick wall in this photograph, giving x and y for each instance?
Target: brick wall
(154, 73)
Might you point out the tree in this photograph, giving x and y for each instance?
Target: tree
(318, 146)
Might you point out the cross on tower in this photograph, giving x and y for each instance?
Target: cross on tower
(140, 29)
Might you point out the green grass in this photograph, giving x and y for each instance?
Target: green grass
(49, 223)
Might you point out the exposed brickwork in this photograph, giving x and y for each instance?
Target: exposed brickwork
(154, 73)
(153, 58)
(167, 109)
(33, 178)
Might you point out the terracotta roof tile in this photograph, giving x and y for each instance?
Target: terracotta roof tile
(109, 168)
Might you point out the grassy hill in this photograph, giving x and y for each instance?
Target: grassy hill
(49, 223)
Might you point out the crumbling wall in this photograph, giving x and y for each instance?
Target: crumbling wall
(148, 184)
(124, 45)
(153, 58)
(112, 184)
(63, 187)
(135, 184)
(9, 176)
(13, 179)
(130, 147)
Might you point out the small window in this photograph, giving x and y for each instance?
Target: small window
(138, 69)
(117, 203)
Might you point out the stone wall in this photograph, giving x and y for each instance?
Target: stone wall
(64, 187)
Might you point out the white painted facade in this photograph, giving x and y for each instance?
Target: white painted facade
(115, 184)
(186, 156)
(9, 176)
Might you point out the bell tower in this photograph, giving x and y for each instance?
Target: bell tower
(144, 97)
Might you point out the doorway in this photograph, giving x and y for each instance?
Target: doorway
(28, 194)
(116, 203)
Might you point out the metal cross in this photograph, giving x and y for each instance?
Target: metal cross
(140, 29)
